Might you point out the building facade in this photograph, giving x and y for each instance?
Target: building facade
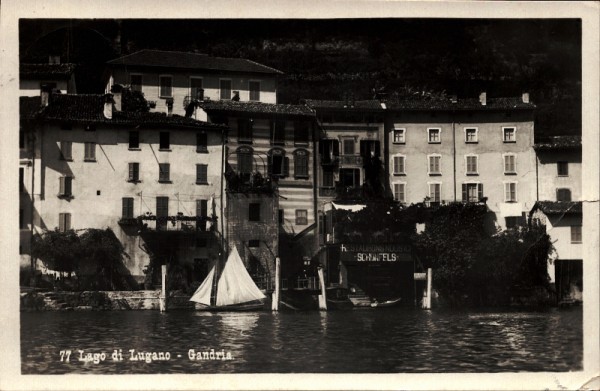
(559, 168)
(174, 79)
(154, 179)
(54, 75)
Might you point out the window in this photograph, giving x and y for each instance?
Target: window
(65, 186)
(472, 192)
(201, 142)
(398, 165)
(301, 132)
(90, 152)
(470, 135)
(278, 163)
(278, 132)
(21, 218)
(136, 82)
(201, 211)
(369, 149)
(162, 212)
(245, 130)
(21, 139)
(301, 217)
(254, 243)
(510, 192)
(329, 151)
(434, 165)
(399, 136)
(21, 180)
(576, 234)
(164, 141)
(434, 192)
(434, 135)
(471, 163)
(254, 211)
(202, 174)
(350, 177)
(563, 194)
(225, 87)
(196, 91)
(399, 192)
(562, 168)
(301, 164)
(127, 208)
(513, 221)
(509, 135)
(244, 160)
(66, 150)
(64, 222)
(510, 164)
(348, 146)
(134, 139)
(166, 86)
(327, 179)
(134, 172)
(254, 88)
(164, 172)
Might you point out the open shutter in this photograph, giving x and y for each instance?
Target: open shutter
(270, 164)
(61, 189)
(480, 191)
(286, 166)
(464, 193)
(364, 148)
(336, 148)
(67, 221)
(377, 148)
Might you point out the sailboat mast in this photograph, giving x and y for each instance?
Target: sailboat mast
(216, 276)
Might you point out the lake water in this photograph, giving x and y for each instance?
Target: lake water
(356, 341)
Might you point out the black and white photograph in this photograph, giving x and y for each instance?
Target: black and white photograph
(303, 194)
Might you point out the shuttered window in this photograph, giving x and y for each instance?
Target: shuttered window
(563, 194)
(510, 164)
(166, 86)
(164, 141)
(66, 150)
(65, 186)
(278, 163)
(435, 192)
(278, 132)
(201, 211)
(398, 165)
(201, 174)
(301, 164)
(254, 87)
(245, 127)
(576, 234)
(201, 142)
(64, 222)
(225, 87)
(434, 165)
(472, 192)
(164, 172)
(127, 207)
(327, 180)
(196, 91)
(244, 160)
(134, 139)
(162, 212)
(301, 217)
(399, 192)
(301, 130)
(562, 168)
(510, 192)
(471, 162)
(90, 152)
(134, 172)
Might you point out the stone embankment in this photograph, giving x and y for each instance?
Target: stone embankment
(100, 300)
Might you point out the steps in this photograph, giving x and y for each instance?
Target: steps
(54, 301)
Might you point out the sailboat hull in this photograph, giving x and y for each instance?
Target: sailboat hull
(251, 306)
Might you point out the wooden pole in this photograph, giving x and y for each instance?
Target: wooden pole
(322, 296)
(428, 301)
(275, 296)
(163, 293)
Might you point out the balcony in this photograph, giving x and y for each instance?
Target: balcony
(327, 192)
(177, 223)
(351, 160)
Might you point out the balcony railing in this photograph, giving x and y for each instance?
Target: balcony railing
(326, 191)
(351, 160)
(179, 223)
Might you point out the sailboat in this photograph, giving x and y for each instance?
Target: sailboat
(235, 289)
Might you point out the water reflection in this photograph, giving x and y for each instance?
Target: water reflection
(359, 341)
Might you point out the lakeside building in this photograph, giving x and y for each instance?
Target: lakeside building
(153, 178)
(54, 74)
(270, 146)
(170, 80)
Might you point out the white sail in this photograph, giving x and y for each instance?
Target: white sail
(202, 294)
(235, 285)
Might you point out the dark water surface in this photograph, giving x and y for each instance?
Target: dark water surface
(356, 341)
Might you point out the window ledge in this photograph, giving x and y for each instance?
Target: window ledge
(403, 174)
(135, 149)
(435, 174)
(90, 160)
(399, 142)
(576, 242)
(201, 183)
(511, 202)
(472, 174)
(434, 142)
(563, 176)
(65, 197)
(202, 150)
(510, 173)
(509, 142)
(165, 181)
(164, 149)
(471, 142)
(166, 96)
(134, 181)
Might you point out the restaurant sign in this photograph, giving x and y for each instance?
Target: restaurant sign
(353, 252)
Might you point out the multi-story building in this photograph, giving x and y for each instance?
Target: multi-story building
(277, 142)
(154, 179)
(463, 150)
(558, 168)
(55, 75)
(174, 79)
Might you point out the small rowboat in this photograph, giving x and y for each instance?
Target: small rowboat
(387, 303)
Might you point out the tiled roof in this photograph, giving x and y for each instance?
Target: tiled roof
(514, 103)
(343, 104)
(558, 142)
(46, 71)
(558, 207)
(29, 106)
(89, 109)
(196, 61)
(231, 106)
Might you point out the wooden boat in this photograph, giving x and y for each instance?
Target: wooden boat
(230, 290)
(387, 303)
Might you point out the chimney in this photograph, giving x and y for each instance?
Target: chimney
(117, 91)
(45, 95)
(526, 97)
(483, 98)
(108, 106)
(169, 107)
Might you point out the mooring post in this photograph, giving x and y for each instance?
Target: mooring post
(322, 296)
(428, 302)
(275, 296)
(163, 293)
